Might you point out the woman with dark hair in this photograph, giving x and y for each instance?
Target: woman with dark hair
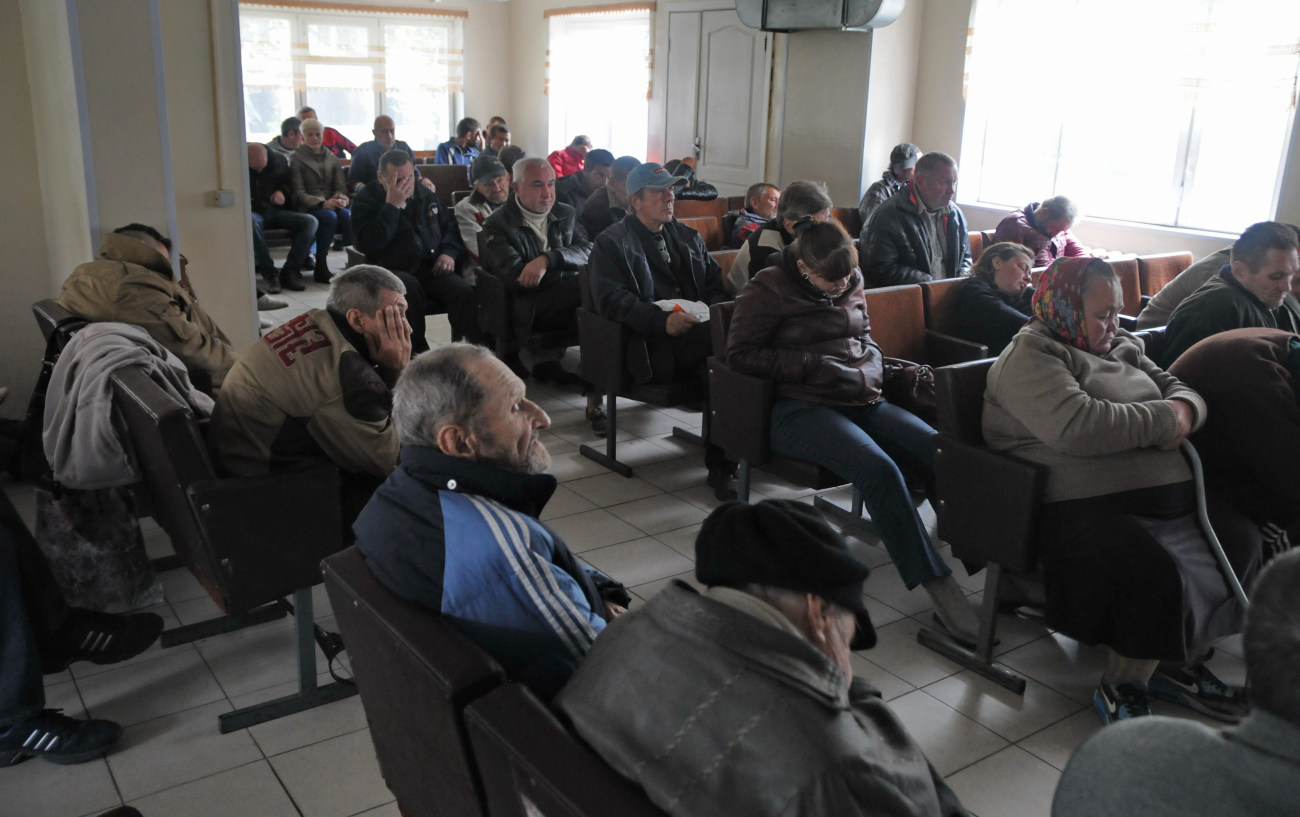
(802, 323)
(800, 202)
(995, 301)
(1124, 561)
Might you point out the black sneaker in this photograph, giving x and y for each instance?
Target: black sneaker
(322, 276)
(599, 422)
(59, 739)
(292, 281)
(271, 276)
(104, 638)
(1117, 702)
(723, 483)
(1200, 690)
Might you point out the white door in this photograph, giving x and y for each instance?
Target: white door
(716, 101)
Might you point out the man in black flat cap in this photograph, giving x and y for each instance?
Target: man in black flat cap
(741, 700)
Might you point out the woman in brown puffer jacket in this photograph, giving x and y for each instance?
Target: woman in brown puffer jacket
(802, 323)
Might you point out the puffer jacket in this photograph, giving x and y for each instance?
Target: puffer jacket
(713, 710)
(509, 244)
(815, 348)
(567, 161)
(315, 177)
(132, 282)
(895, 244)
(1021, 228)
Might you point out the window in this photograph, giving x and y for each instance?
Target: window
(598, 79)
(1175, 112)
(352, 67)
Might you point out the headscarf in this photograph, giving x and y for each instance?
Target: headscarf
(1058, 301)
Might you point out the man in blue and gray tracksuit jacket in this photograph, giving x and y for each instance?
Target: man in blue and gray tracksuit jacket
(455, 527)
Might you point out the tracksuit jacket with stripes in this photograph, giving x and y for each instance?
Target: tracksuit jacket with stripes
(462, 538)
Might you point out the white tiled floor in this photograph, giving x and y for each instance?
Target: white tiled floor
(1001, 753)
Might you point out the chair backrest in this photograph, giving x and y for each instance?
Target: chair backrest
(849, 218)
(684, 208)
(988, 501)
(447, 179)
(1154, 271)
(941, 304)
(54, 319)
(236, 534)
(1129, 283)
(897, 316)
(709, 227)
(416, 675)
(976, 245)
(735, 202)
(725, 259)
(458, 195)
(531, 765)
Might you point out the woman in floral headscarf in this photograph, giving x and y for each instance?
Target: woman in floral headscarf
(1124, 562)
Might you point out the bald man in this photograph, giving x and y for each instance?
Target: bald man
(365, 159)
(268, 186)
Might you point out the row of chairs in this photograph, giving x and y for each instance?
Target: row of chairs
(452, 736)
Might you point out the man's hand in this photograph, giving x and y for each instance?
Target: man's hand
(390, 347)
(428, 184)
(277, 198)
(1183, 412)
(613, 611)
(443, 264)
(398, 191)
(679, 323)
(532, 273)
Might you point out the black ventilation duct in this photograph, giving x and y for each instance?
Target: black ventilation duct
(805, 15)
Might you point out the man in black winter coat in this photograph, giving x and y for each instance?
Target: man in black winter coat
(918, 234)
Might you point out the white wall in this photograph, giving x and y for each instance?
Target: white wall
(891, 92)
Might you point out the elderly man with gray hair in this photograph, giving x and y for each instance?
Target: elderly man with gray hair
(741, 699)
(455, 528)
(317, 388)
(1044, 229)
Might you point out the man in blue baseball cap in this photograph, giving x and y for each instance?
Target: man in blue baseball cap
(655, 275)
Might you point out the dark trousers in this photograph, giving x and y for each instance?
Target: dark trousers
(417, 307)
(452, 294)
(552, 309)
(328, 222)
(31, 609)
(685, 357)
(303, 227)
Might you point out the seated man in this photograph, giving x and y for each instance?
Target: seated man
(133, 283)
(608, 205)
(1157, 311)
(365, 159)
(1250, 443)
(289, 139)
(1248, 292)
(1044, 229)
(741, 699)
(1173, 767)
(902, 164)
(536, 245)
(762, 200)
(334, 142)
(269, 190)
(401, 225)
(316, 389)
(575, 189)
(40, 634)
(455, 527)
(464, 148)
(919, 235)
(498, 139)
(644, 261)
(491, 189)
(570, 160)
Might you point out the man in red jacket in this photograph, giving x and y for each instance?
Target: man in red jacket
(571, 159)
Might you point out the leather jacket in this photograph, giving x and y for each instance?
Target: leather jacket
(405, 239)
(814, 347)
(508, 243)
(895, 243)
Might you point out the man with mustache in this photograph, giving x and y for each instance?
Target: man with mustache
(455, 527)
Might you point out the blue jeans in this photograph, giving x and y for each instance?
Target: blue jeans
(870, 446)
(330, 221)
(301, 225)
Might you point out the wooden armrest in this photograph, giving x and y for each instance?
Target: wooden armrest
(604, 350)
(988, 503)
(741, 408)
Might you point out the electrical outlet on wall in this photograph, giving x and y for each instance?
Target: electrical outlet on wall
(222, 198)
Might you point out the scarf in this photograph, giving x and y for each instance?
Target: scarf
(1058, 301)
